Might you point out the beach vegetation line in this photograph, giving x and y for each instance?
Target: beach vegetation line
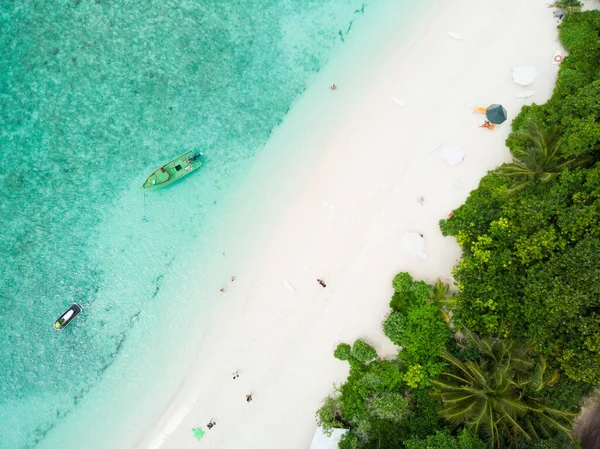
(508, 358)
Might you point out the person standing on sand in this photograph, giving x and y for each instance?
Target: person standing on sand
(211, 424)
(322, 283)
(249, 397)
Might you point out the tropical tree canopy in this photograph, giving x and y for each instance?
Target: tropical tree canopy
(498, 395)
(539, 158)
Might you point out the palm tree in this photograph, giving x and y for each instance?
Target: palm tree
(569, 6)
(497, 396)
(440, 297)
(540, 159)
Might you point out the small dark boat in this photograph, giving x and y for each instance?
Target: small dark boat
(67, 317)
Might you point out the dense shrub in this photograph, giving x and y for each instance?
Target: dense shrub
(329, 415)
(342, 352)
(539, 253)
(362, 351)
(408, 293)
(443, 440)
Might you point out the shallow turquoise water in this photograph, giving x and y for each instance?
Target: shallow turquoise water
(94, 95)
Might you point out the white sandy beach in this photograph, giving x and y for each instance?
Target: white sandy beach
(343, 214)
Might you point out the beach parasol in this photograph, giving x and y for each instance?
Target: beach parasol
(452, 154)
(413, 244)
(496, 114)
(524, 75)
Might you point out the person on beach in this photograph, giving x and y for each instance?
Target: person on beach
(236, 374)
(333, 87)
(249, 397)
(211, 424)
(486, 124)
(222, 290)
(232, 278)
(322, 283)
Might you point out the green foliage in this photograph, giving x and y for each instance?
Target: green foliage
(579, 122)
(329, 416)
(402, 282)
(417, 323)
(498, 396)
(349, 441)
(389, 406)
(570, 6)
(408, 293)
(578, 34)
(343, 351)
(362, 351)
(539, 157)
(539, 257)
(415, 376)
(423, 336)
(424, 418)
(394, 326)
(562, 307)
(443, 440)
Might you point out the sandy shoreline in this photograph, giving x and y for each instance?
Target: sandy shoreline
(348, 213)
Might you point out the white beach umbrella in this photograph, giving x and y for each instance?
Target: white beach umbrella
(452, 154)
(413, 244)
(524, 75)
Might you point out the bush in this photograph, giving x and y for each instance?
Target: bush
(363, 352)
(415, 376)
(579, 35)
(423, 336)
(443, 440)
(342, 352)
(388, 406)
(329, 416)
(402, 282)
(349, 441)
(393, 327)
(408, 293)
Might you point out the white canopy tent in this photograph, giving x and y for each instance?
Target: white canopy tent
(413, 244)
(524, 75)
(452, 154)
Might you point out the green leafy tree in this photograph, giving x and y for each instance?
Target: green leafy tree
(540, 159)
(443, 440)
(343, 351)
(329, 415)
(362, 351)
(570, 6)
(529, 267)
(498, 395)
(391, 406)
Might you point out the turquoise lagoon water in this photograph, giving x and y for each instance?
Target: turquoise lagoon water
(94, 95)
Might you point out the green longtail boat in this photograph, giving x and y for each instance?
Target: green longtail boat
(174, 170)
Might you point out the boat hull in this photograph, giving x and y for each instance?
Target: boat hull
(173, 171)
(66, 318)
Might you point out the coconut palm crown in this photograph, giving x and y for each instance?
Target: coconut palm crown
(498, 395)
(540, 159)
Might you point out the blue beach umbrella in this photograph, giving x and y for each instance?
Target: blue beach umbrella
(496, 114)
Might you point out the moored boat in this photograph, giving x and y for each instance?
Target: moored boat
(174, 170)
(67, 317)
